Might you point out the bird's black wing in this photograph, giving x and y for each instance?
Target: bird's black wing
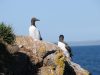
(40, 36)
(69, 49)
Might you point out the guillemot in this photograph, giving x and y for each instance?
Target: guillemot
(33, 30)
(64, 46)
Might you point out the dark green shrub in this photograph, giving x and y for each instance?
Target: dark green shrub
(6, 33)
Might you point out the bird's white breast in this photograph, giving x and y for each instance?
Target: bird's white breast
(34, 32)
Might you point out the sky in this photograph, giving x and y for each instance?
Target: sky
(77, 20)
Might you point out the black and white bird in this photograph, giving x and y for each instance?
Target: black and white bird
(64, 46)
(33, 30)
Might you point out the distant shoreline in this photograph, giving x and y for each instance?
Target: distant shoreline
(84, 43)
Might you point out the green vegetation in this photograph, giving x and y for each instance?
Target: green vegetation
(6, 33)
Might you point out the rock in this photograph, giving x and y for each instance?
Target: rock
(34, 57)
(49, 58)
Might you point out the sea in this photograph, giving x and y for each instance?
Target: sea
(88, 57)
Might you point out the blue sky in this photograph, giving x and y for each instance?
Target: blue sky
(77, 20)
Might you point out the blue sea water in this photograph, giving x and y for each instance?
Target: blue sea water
(88, 57)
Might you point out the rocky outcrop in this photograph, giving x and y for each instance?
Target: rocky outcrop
(34, 57)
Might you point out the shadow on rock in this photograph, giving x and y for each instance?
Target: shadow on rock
(68, 70)
(15, 64)
(22, 65)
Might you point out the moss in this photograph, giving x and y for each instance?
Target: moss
(59, 61)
